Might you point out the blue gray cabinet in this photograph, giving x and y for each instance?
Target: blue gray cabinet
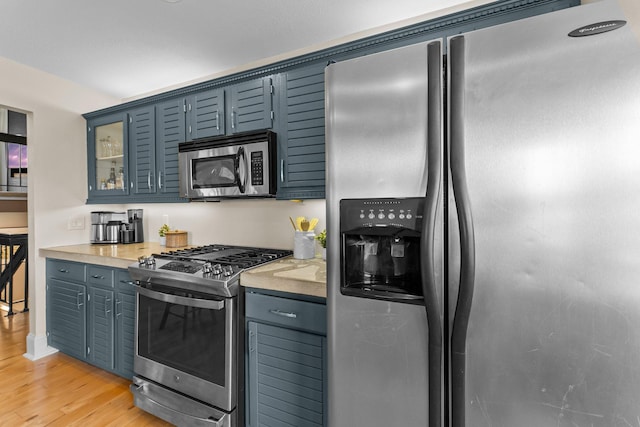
(205, 114)
(286, 380)
(91, 314)
(250, 105)
(301, 154)
(107, 147)
(67, 308)
(142, 150)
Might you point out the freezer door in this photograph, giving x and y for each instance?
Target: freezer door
(551, 153)
(377, 110)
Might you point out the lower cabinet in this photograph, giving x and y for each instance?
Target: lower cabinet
(91, 314)
(286, 358)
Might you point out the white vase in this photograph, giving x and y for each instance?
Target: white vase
(163, 241)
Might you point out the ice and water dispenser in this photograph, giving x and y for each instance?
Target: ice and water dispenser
(380, 249)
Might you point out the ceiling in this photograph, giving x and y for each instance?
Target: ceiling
(127, 48)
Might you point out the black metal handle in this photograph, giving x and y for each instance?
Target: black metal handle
(467, 235)
(429, 224)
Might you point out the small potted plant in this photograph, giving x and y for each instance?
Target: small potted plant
(162, 232)
(322, 239)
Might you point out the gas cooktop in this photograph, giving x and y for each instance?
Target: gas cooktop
(210, 269)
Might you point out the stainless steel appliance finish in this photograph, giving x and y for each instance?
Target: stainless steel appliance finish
(105, 226)
(236, 166)
(376, 110)
(136, 224)
(533, 253)
(189, 333)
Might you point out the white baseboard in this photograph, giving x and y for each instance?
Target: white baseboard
(37, 347)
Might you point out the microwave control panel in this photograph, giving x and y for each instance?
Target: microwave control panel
(387, 212)
(257, 168)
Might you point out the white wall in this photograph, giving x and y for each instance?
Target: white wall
(57, 163)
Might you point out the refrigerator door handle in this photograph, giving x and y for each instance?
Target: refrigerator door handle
(465, 225)
(429, 224)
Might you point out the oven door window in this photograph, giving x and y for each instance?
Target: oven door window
(186, 337)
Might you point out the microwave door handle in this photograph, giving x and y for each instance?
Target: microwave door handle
(241, 159)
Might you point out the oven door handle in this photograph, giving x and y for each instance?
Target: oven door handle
(186, 301)
(146, 403)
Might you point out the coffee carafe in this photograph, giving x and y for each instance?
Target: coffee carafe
(105, 226)
(135, 223)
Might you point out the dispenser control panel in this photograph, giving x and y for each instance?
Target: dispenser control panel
(387, 212)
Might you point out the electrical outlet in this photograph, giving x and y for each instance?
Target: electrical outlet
(76, 223)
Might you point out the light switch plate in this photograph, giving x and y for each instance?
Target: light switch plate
(76, 222)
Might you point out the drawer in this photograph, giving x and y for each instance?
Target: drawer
(291, 313)
(65, 270)
(124, 282)
(98, 275)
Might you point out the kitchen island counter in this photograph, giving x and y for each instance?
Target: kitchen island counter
(118, 256)
(296, 276)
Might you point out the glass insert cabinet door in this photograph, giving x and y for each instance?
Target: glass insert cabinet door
(107, 155)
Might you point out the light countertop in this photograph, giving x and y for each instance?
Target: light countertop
(118, 256)
(298, 276)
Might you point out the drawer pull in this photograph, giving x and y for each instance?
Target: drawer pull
(284, 314)
(63, 270)
(97, 276)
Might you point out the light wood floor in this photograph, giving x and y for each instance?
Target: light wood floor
(59, 390)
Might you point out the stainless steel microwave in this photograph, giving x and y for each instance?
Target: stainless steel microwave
(235, 166)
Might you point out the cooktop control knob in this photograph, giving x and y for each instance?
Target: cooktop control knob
(207, 268)
(146, 261)
(217, 269)
(227, 270)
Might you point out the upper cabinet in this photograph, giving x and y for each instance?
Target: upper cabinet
(204, 114)
(107, 155)
(250, 105)
(301, 155)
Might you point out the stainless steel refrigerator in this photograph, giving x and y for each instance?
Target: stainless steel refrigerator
(483, 212)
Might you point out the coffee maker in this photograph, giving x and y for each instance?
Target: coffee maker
(135, 224)
(105, 226)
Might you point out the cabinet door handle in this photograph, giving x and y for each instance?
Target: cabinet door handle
(79, 298)
(159, 180)
(252, 339)
(107, 303)
(118, 312)
(233, 118)
(217, 119)
(288, 314)
(149, 180)
(282, 170)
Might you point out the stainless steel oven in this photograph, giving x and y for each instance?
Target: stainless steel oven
(188, 361)
(187, 340)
